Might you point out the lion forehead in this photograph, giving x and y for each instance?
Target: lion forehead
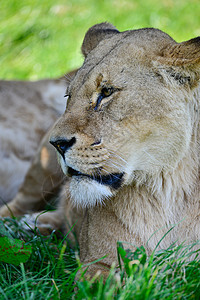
(147, 42)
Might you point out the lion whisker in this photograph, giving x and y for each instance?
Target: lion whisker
(117, 156)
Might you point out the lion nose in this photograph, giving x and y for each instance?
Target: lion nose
(62, 145)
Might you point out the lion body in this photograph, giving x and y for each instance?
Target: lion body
(23, 125)
(129, 139)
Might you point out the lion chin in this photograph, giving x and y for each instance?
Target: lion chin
(86, 192)
(89, 190)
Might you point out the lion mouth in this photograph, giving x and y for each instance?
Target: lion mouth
(113, 180)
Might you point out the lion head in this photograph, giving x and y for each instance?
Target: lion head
(130, 110)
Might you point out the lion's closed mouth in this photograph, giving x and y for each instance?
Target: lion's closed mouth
(114, 180)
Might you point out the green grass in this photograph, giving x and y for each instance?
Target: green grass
(41, 39)
(50, 273)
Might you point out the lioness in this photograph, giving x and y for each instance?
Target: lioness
(129, 141)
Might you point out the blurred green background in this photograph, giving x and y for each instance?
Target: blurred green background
(42, 38)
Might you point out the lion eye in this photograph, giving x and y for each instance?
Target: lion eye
(105, 92)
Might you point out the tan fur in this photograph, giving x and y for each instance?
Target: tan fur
(146, 127)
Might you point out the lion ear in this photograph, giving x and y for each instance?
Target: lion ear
(183, 54)
(96, 34)
(182, 61)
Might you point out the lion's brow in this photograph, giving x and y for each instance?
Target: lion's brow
(96, 64)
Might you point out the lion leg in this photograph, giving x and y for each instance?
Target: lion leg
(98, 241)
(100, 232)
(41, 183)
(94, 271)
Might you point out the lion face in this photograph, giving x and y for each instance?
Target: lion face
(127, 113)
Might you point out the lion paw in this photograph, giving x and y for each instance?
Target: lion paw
(35, 221)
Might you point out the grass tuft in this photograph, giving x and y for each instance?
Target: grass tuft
(50, 272)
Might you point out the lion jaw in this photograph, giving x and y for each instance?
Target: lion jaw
(89, 190)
